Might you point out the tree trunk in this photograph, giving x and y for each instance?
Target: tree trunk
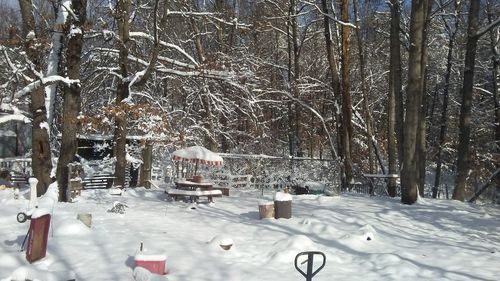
(54, 60)
(364, 92)
(122, 92)
(394, 124)
(444, 108)
(409, 180)
(421, 149)
(147, 161)
(346, 94)
(465, 109)
(72, 99)
(494, 39)
(332, 63)
(296, 114)
(41, 156)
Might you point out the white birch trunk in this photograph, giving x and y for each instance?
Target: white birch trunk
(55, 57)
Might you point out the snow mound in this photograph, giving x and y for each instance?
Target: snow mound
(11, 260)
(142, 274)
(365, 233)
(316, 226)
(221, 241)
(70, 227)
(360, 238)
(46, 202)
(394, 265)
(32, 273)
(284, 251)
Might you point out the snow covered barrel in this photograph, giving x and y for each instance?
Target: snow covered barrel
(266, 209)
(282, 205)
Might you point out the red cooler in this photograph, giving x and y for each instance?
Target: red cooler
(154, 263)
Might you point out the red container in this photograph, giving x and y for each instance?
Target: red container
(154, 263)
(37, 238)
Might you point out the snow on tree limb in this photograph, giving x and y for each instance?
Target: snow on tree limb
(207, 73)
(43, 82)
(15, 70)
(234, 22)
(14, 117)
(14, 114)
(165, 44)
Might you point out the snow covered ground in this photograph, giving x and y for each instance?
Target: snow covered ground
(363, 238)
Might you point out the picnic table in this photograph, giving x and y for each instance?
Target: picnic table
(194, 190)
(376, 182)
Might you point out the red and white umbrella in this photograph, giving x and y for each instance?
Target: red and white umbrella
(197, 155)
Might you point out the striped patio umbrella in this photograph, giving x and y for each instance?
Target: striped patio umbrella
(197, 155)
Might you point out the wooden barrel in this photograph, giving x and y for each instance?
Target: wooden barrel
(282, 209)
(266, 210)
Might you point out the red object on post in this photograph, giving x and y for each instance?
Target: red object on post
(37, 238)
(153, 263)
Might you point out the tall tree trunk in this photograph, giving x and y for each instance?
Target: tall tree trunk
(296, 131)
(54, 60)
(346, 93)
(394, 124)
(72, 99)
(409, 180)
(494, 44)
(465, 109)
(364, 92)
(444, 108)
(290, 106)
(332, 63)
(41, 156)
(421, 149)
(122, 92)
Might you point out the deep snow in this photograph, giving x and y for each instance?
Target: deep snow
(364, 238)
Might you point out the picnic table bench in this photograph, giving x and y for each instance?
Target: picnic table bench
(20, 180)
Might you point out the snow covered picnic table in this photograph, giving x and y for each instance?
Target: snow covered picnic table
(194, 190)
(376, 182)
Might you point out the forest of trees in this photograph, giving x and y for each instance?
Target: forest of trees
(407, 87)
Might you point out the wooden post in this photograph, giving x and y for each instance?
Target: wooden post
(33, 182)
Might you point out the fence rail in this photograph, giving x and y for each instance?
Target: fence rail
(98, 182)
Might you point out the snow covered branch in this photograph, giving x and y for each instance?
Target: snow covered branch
(44, 82)
(14, 117)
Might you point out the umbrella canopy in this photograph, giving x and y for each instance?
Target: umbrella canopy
(198, 155)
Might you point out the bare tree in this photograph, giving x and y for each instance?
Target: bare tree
(41, 155)
(452, 32)
(473, 34)
(409, 179)
(122, 15)
(74, 30)
(394, 132)
(346, 94)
